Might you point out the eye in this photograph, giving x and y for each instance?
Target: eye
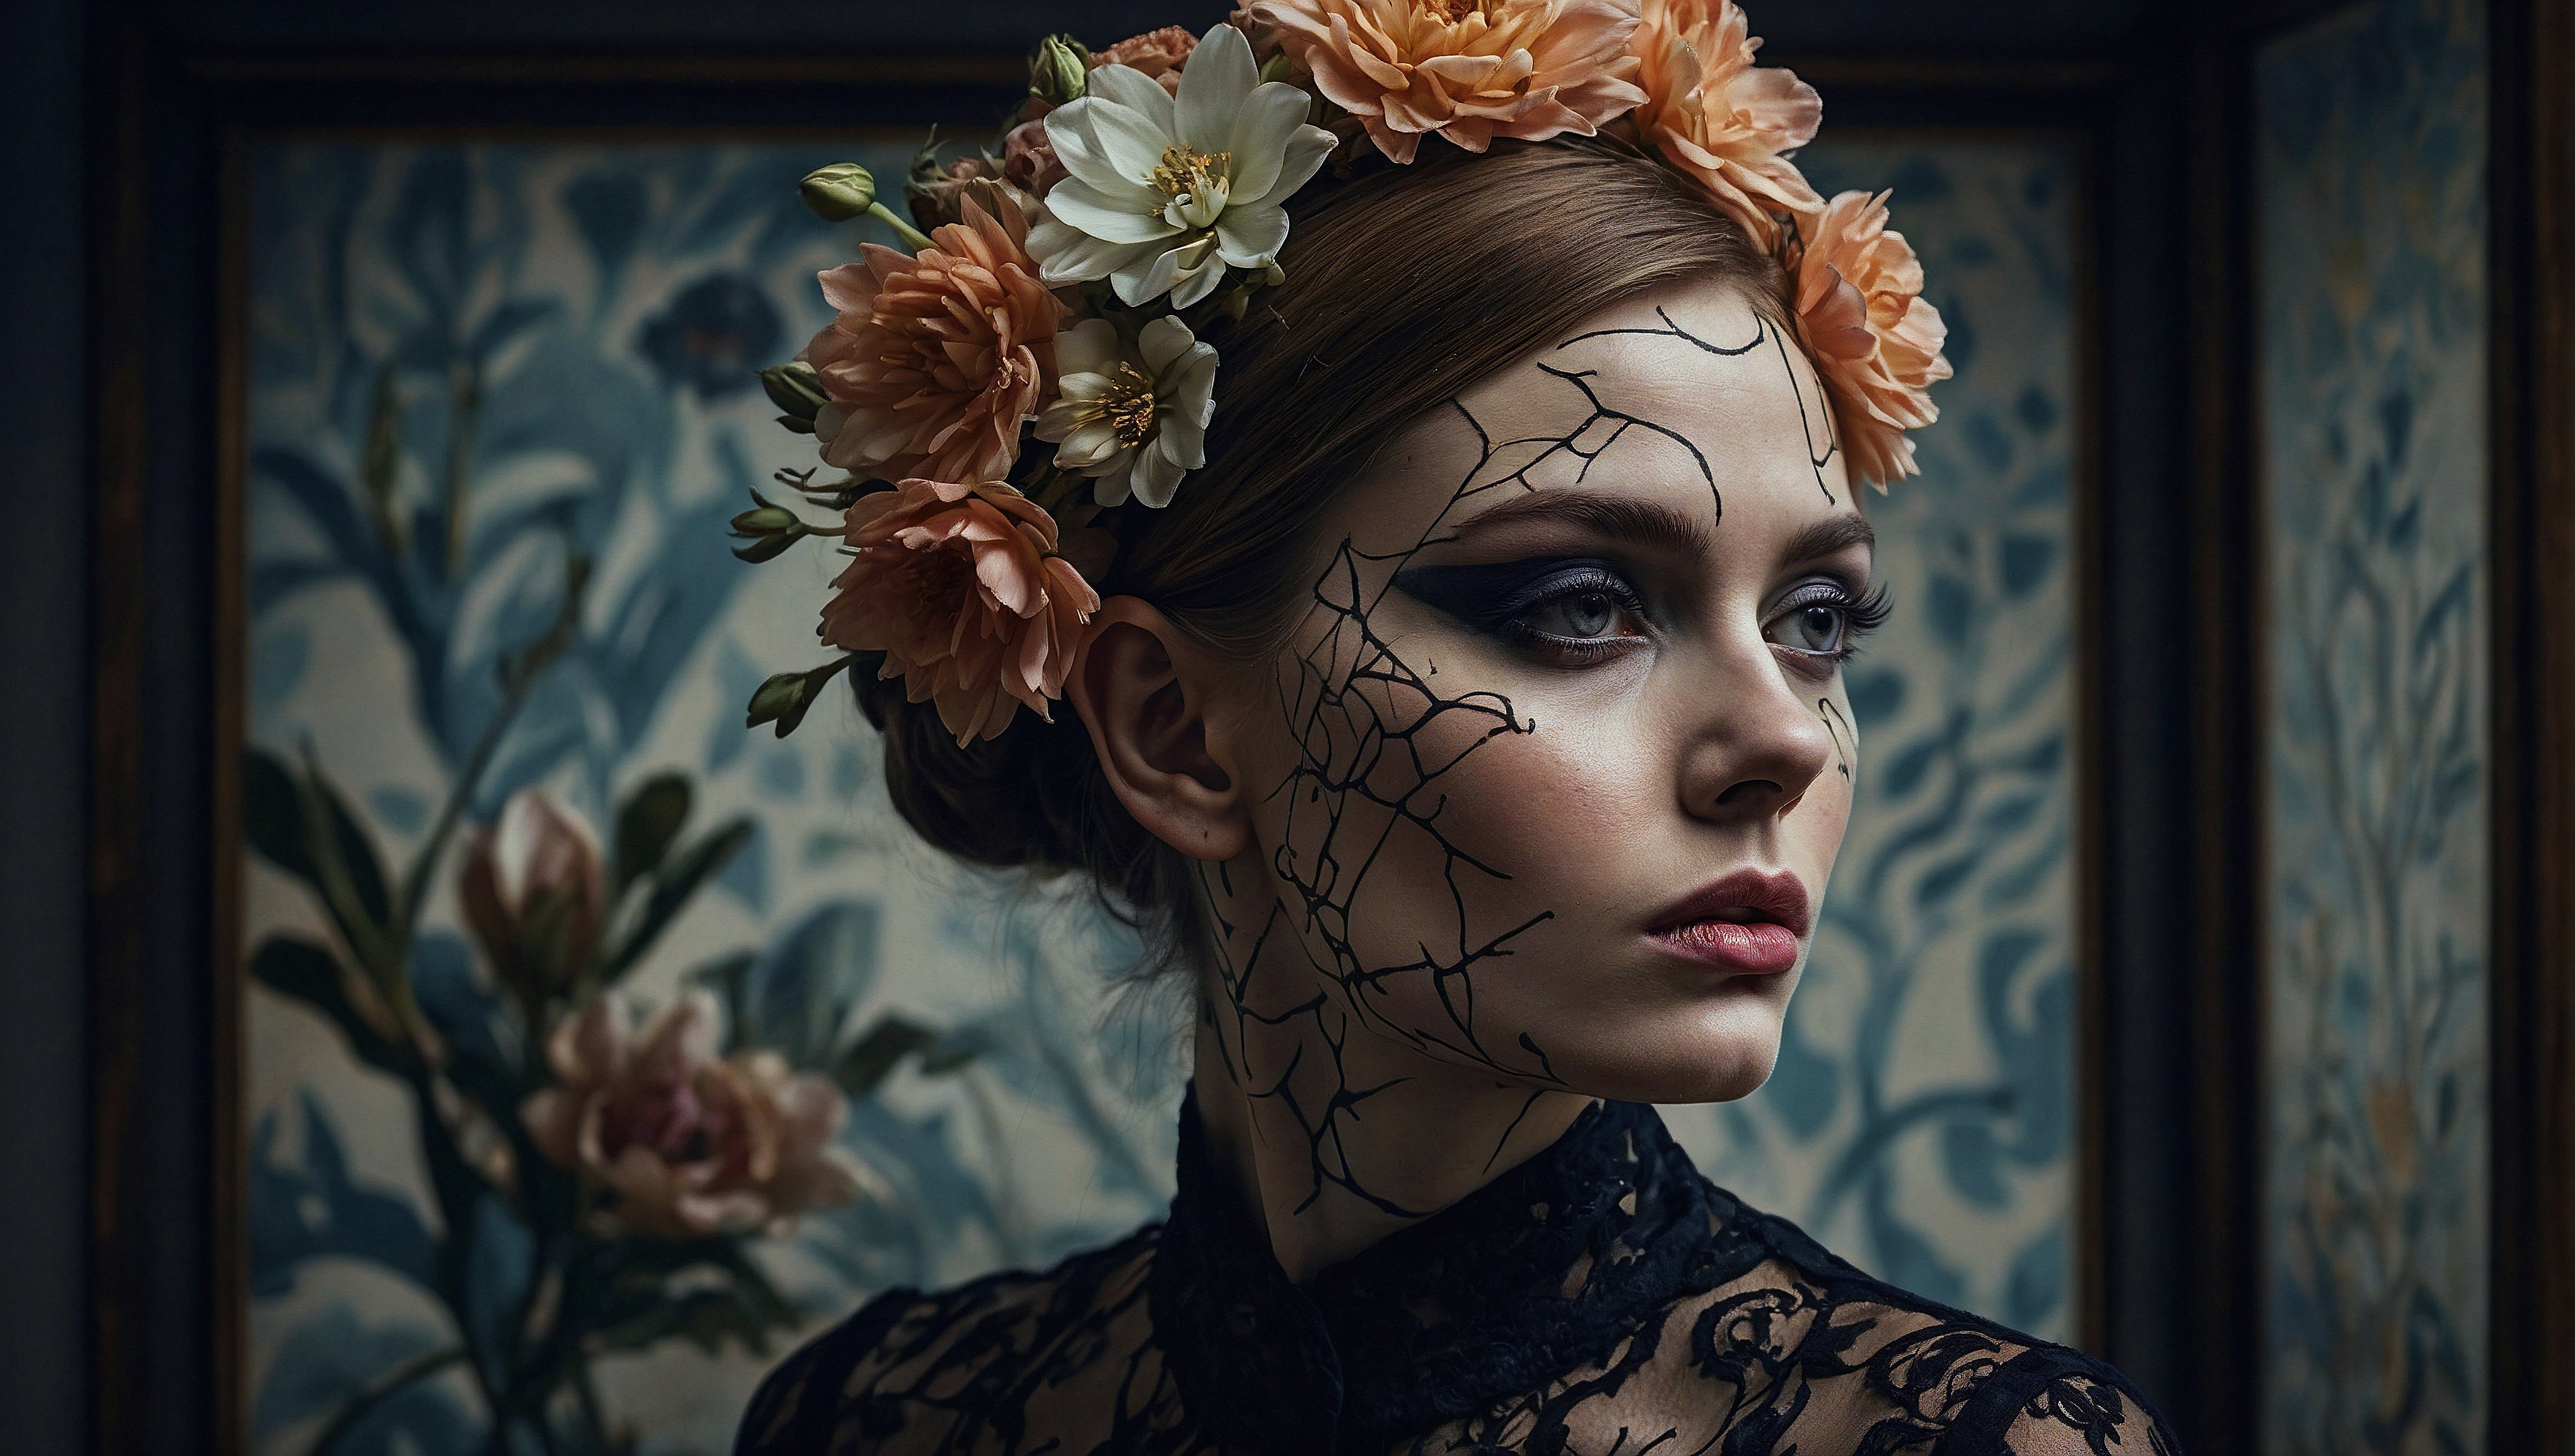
(1570, 610)
(1823, 620)
(1811, 629)
(1587, 613)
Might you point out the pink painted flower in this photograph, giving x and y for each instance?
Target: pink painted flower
(1715, 115)
(935, 361)
(1873, 338)
(535, 891)
(1467, 70)
(962, 589)
(688, 1144)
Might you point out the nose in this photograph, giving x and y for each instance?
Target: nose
(1760, 744)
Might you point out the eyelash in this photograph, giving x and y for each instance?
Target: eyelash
(1861, 616)
(1506, 621)
(1468, 594)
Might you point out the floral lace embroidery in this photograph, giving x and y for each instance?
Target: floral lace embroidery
(1601, 1299)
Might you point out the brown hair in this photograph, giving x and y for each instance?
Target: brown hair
(1404, 286)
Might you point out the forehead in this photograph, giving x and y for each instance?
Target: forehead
(1685, 394)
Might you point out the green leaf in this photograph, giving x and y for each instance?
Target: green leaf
(313, 976)
(671, 887)
(273, 815)
(730, 979)
(355, 849)
(647, 823)
(874, 1056)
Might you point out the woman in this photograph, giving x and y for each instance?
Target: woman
(1459, 707)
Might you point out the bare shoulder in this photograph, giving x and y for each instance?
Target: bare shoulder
(976, 1368)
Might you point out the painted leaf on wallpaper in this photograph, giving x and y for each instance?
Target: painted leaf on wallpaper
(1920, 1120)
(2373, 342)
(596, 1051)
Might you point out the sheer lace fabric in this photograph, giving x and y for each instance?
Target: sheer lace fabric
(1601, 1299)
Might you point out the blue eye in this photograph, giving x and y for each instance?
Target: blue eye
(1823, 619)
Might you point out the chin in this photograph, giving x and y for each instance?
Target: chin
(1708, 1063)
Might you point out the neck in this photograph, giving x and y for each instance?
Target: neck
(1332, 1128)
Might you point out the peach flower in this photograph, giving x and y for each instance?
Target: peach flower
(1873, 338)
(962, 587)
(1715, 115)
(690, 1145)
(1160, 54)
(1468, 70)
(936, 359)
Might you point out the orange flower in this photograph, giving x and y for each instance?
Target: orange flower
(1721, 119)
(935, 361)
(1873, 338)
(1160, 54)
(1468, 70)
(962, 588)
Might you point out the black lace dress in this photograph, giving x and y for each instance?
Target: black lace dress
(1602, 1298)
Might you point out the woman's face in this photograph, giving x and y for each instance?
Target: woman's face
(1553, 773)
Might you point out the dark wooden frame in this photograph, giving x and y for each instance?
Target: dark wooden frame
(165, 1351)
(2532, 610)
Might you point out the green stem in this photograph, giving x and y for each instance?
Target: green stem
(913, 236)
(519, 678)
(380, 1389)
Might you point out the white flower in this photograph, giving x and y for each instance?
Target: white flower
(1165, 192)
(1133, 419)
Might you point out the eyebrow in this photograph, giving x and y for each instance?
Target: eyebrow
(1643, 521)
(1660, 525)
(1831, 535)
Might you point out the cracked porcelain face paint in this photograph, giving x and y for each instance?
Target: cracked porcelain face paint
(1556, 760)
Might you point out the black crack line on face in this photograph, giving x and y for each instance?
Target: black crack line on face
(1839, 729)
(1806, 421)
(1375, 738)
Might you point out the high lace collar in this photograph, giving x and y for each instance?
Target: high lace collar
(1540, 1271)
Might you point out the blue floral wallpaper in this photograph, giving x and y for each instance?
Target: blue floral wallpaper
(499, 410)
(2372, 156)
(1920, 1122)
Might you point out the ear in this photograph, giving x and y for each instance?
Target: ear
(1145, 692)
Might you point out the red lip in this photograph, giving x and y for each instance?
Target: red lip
(1746, 921)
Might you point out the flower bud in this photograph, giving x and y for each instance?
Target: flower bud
(535, 892)
(766, 520)
(840, 192)
(782, 699)
(795, 388)
(1060, 70)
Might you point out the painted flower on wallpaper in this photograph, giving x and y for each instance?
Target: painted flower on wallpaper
(1134, 419)
(1725, 121)
(714, 335)
(962, 589)
(535, 892)
(1168, 190)
(1466, 70)
(936, 359)
(1874, 339)
(688, 1144)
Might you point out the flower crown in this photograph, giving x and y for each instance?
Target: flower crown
(1137, 202)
